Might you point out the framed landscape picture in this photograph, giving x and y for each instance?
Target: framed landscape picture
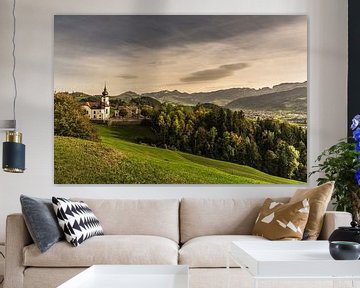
(174, 99)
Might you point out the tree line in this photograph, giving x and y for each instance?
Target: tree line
(270, 145)
(70, 119)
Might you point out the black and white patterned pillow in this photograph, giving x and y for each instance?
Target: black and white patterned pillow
(77, 220)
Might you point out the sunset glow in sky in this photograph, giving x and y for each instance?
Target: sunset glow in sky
(186, 53)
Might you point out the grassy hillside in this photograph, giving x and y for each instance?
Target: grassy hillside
(119, 160)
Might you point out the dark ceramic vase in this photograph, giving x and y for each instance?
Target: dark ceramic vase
(344, 250)
(351, 233)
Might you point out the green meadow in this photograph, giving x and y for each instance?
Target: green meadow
(118, 159)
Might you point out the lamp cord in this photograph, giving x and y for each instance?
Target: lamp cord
(2, 280)
(14, 61)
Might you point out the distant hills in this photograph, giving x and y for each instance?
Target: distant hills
(220, 97)
(285, 96)
(292, 100)
(126, 96)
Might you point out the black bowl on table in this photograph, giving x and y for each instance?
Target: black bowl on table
(346, 233)
(344, 250)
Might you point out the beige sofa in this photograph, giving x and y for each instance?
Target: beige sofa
(194, 232)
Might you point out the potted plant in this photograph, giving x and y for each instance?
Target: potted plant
(341, 163)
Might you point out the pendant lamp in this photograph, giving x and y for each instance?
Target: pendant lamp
(13, 149)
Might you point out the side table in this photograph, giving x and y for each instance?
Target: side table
(131, 276)
(293, 263)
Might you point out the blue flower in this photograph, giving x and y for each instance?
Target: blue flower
(355, 122)
(356, 134)
(357, 176)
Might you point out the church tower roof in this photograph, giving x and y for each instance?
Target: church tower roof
(105, 92)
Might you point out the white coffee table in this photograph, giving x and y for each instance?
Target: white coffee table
(292, 260)
(131, 276)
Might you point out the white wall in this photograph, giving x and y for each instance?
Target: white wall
(327, 89)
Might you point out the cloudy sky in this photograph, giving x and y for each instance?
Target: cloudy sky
(187, 53)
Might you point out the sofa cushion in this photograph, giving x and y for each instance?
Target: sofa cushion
(211, 251)
(76, 220)
(319, 198)
(41, 221)
(107, 249)
(158, 217)
(279, 221)
(201, 217)
(35, 277)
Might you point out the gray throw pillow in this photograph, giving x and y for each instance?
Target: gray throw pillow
(41, 221)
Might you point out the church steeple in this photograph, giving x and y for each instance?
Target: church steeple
(105, 98)
(105, 92)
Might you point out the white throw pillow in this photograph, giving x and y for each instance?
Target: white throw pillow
(76, 220)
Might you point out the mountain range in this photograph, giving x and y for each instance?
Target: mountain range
(291, 100)
(285, 96)
(220, 97)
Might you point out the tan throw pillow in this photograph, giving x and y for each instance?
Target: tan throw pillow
(319, 198)
(279, 221)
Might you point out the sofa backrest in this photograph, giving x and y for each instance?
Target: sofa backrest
(159, 217)
(200, 217)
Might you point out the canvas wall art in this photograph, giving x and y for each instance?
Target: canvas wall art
(174, 99)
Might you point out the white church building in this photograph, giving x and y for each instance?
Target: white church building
(96, 110)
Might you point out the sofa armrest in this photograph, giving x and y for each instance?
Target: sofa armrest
(333, 220)
(17, 237)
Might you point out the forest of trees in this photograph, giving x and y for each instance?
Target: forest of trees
(70, 120)
(270, 145)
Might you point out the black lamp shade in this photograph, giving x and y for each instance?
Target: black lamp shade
(13, 157)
